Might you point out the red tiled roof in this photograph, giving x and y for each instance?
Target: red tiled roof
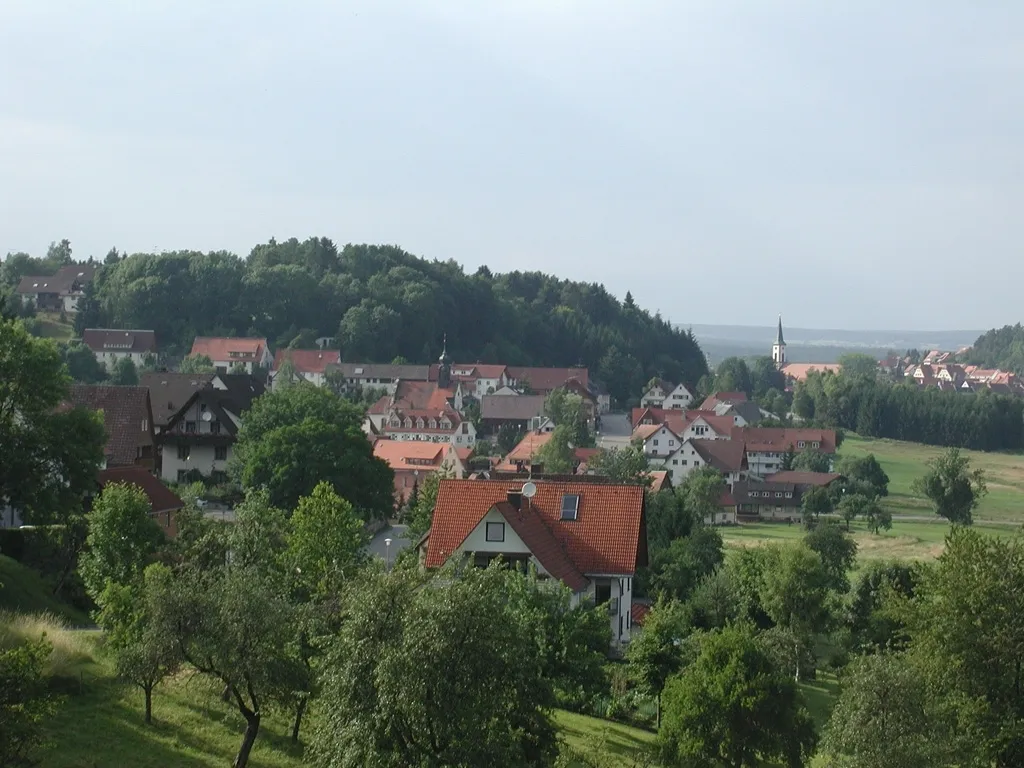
(606, 537)
(124, 410)
(780, 439)
(803, 478)
(405, 454)
(531, 528)
(548, 379)
(799, 371)
(638, 612)
(247, 350)
(659, 478)
(722, 425)
(111, 340)
(525, 450)
(307, 360)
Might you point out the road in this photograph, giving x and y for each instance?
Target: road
(399, 541)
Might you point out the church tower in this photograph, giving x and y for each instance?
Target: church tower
(444, 367)
(779, 347)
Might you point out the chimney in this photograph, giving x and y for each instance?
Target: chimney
(515, 498)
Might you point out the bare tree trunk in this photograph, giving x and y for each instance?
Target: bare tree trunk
(299, 712)
(149, 703)
(252, 727)
(225, 695)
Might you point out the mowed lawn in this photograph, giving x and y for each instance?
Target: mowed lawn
(905, 462)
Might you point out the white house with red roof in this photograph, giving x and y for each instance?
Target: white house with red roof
(308, 364)
(767, 447)
(421, 411)
(592, 537)
(726, 456)
(413, 460)
(226, 353)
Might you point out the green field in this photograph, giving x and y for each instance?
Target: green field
(905, 462)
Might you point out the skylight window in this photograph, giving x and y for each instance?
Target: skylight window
(570, 506)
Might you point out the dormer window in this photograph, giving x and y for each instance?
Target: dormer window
(570, 506)
(408, 423)
(433, 423)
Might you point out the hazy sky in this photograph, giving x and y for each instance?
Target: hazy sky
(849, 163)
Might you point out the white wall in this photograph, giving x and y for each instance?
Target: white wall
(108, 357)
(661, 444)
(476, 541)
(201, 457)
(678, 399)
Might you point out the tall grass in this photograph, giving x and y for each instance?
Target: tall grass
(69, 650)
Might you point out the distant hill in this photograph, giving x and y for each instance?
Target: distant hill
(813, 345)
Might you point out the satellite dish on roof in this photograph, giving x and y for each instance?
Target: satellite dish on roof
(207, 416)
(529, 490)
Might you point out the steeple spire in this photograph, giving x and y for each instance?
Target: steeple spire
(778, 337)
(779, 347)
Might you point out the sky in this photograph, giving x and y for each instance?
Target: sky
(850, 164)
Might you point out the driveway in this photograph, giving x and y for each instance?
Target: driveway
(615, 431)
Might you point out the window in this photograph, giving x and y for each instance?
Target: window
(778, 494)
(220, 453)
(184, 451)
(683, 462)
(181, 475)
(602, 593)
(145, 425)
(815, 444)
(190, 427)
(671, 443)
(675, 462)
(214, 427)
(570, 506)
(655, 442)
(789, 495)
(801, 444)
(219, 476)
(495, 532)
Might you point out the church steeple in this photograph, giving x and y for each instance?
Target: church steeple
(444, 367)
(779, 347)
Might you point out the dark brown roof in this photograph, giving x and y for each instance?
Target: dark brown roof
(161, 498)
(749, 492)
(62, 282)
(548, 379)
(169, 391)
(126, 418)
(112, 340)
(803, 478)
(511, 407)
(723, 455)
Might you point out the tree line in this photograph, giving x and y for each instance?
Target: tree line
(381, 303)
(999, 348)
(874, 407)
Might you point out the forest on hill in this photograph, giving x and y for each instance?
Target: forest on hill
(382, 303)
(1001, 348)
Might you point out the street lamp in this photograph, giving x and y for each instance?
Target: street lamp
(387, 554)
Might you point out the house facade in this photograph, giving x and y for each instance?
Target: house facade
(308, 364)
(110, 345)
(663, 394)
(767, 446)
(412, 461)
(60, 291)
(226, 353)
(726, 456)
(591, 537)
(200, 436)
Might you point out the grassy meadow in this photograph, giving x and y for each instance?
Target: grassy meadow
(905, 462)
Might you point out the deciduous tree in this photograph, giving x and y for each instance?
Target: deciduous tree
(953, 487)
(657, 652)
(838, 553)
(295, 438)
(25, 701)
(122, 538)
(124, 373)
(197, 364)
(732, 706)
(143, 653)
(445, 675)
